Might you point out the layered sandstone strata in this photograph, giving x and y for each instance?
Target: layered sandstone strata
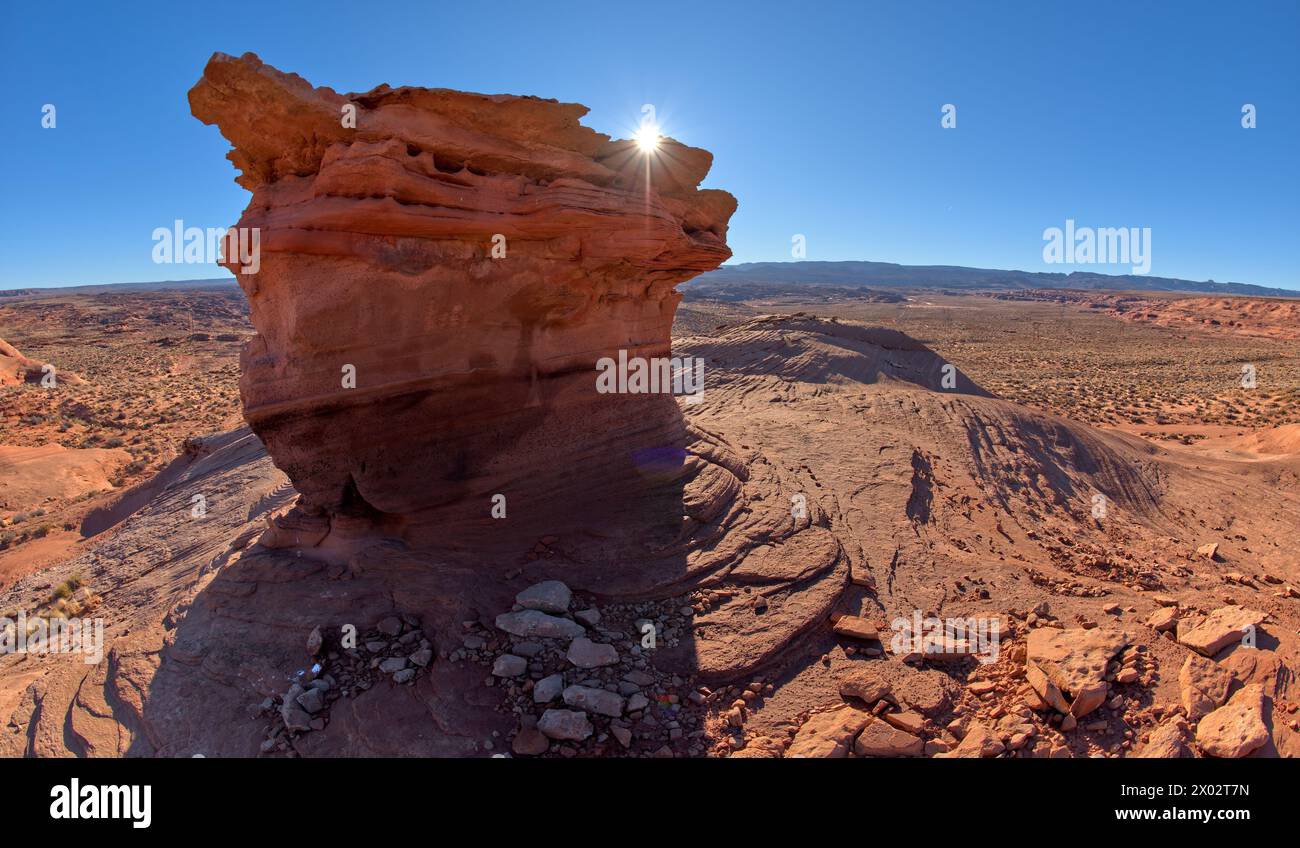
(469, 258)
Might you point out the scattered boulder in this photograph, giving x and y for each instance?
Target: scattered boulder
(1237, 728)
(509, 665)
(881, 739)
(1204, 684)
(548, 689)
(547, 596)
(529, 742)
(568, 725)
(1210, 551)
(592, 700)
(1169, 741)
(1164, 618)
(1210, 634)
(294, 718)
(1067, 668)
(829, 734)
(585, 653)
(979, 742)
(537, 623)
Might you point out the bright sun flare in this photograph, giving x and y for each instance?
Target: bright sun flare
(647, 138)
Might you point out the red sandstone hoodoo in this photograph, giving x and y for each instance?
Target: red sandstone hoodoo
(468, 258)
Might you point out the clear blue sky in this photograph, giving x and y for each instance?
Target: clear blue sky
(824, 118)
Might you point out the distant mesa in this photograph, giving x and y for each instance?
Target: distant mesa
(469, 258)
(891, 275)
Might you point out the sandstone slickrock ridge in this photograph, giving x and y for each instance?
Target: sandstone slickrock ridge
(16, 368)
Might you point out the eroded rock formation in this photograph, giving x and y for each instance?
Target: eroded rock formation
(469, 258)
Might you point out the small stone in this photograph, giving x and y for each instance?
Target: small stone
(509, 665)
(529, 742)
(422, 658)
(854, 627)
(404, 676)
(526, 648)
(548, 689)
(585, 653)
(907, 721)
(390, 626)
(622, 734)
(314, 640)
(597, 701)
(311, 701)
(589, 617)
(392, 665)
(565, 724)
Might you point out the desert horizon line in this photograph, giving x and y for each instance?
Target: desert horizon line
(1247, 289)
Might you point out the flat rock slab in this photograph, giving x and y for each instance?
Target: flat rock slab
(1164, 618)
(547, 596)
(1218, 630)
(1169, 741)
(879, 739)
(1237, 728)
(1204, 686)
(1067, 668)
(854, 627)
(829, 734)
(598, 701)
(537, 623)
